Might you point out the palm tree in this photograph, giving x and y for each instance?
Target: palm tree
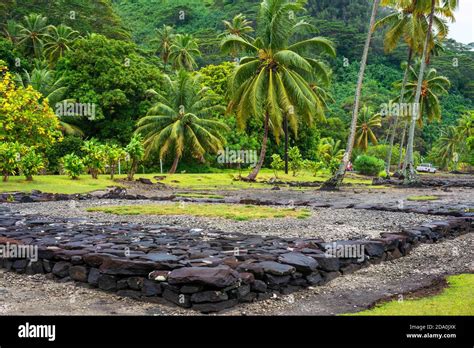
(278, 79)
(164, 39)
(335, 181)
(432, 86)
(239, 26)
(52, 88)
(447, 147)
(183, 51)
(408, 24)
(11, 31)
(364, 131)
(330, 149)
(58, 41)
(180, 121)
(408, 166)
(32, 32)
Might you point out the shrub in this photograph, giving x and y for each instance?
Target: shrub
(31, 164)
(94, 157)
(368, 165)
(295, 160)
(54, 153)
(135, 153)
(277, 164)
(73, 165)
(10, 156)
(313, 166)
(113, 154)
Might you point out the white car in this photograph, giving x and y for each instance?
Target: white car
(426, 167)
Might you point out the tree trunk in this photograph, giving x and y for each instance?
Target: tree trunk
(112, 172)
(395, 122)
(286, 144)
(253, 175)
(5, 177)
(402, 143)
(175, 165)
(336, 180)
(133, 170)
(29, 178)
(409, 167)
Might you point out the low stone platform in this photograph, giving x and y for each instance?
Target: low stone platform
(207, 271)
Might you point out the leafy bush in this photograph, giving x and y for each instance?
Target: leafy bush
(113, 154)
(10, 156)
(135, 153)
(54, 153)
(295, 160)
(94, 157)
(368, 165)
(313, 166)
(277, 164)
(31, 164)
(73, 165)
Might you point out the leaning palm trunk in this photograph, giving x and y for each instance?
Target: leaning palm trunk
(409, 167)
(395, 122)
(259, 165)
(336, 180)
(175, 165)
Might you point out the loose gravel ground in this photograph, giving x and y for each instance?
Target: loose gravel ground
(326, 223)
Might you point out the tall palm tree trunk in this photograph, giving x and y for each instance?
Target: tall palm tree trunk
(286, 144)
(402, 145)
(395, 122)
(263, 150)
(336, 180)
(175, 165)
(409, 167)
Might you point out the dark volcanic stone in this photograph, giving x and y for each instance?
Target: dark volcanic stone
(181, 300)
(314, 278)
(328, 263)
(61, 269)
(95, 260)
(253, 268)
(20, 265)
(276, 268)
(126, 267)
(190, 289)
(159, 276)
(328, 276)
(107, 282)
(219, 277)
(374, 248)
(35, 267)
(300, 261)
(151, 288)
(277, 280)
(160, 257)
(93, 277)
(129, 293)
(79, 273)
(135, 283)
(259, 286)
(209, 296)
(214, 306)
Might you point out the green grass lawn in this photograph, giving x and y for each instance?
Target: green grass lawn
(212, 181)
(229, 211)
(423, 198)
(456, 299)
(57, 184)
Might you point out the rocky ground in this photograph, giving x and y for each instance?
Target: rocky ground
(36, 294)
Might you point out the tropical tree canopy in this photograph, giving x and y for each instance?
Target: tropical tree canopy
(180, 120)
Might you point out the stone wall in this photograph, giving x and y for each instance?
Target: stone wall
(207, 271)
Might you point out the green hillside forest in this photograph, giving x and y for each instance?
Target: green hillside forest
(88, 83)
